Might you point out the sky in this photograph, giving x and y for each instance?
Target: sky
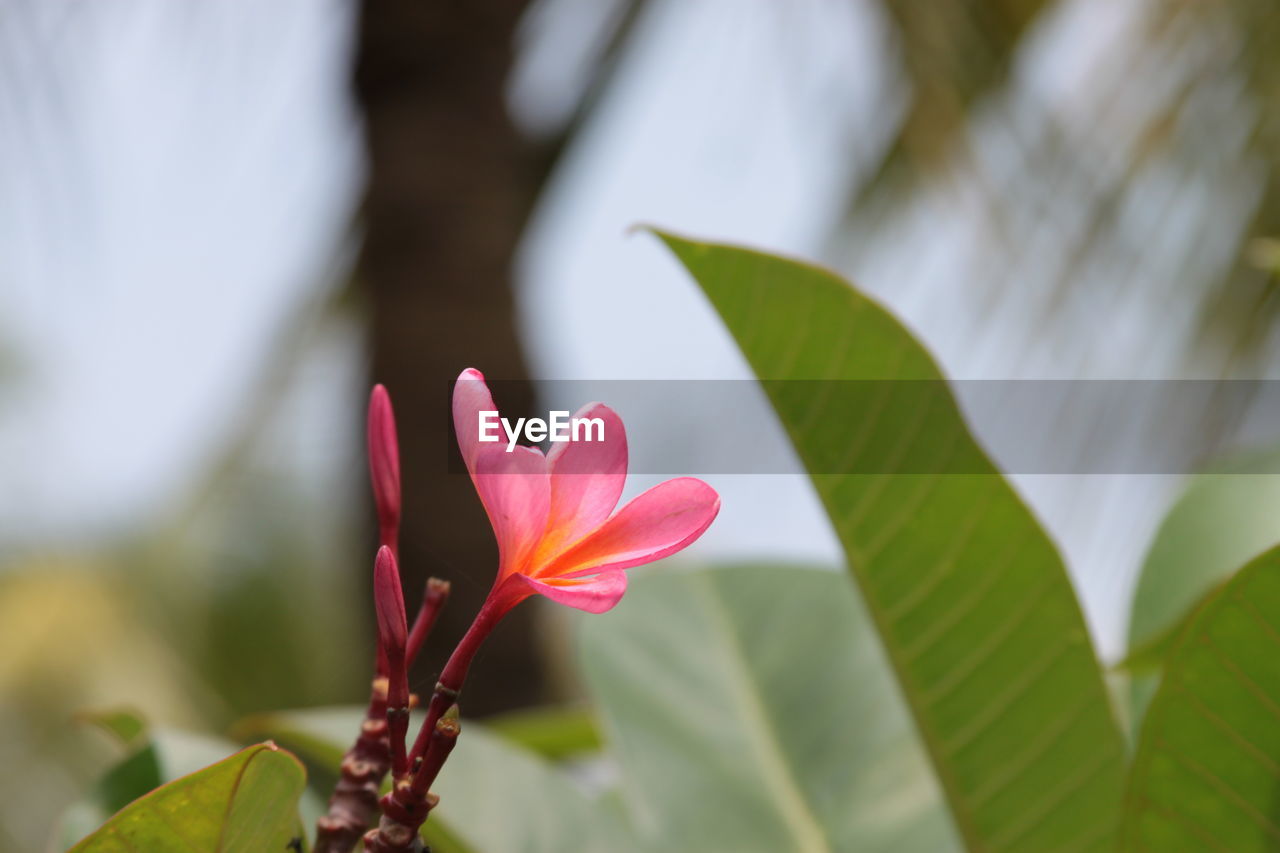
(179, 181)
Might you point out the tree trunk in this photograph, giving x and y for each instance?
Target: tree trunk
(448, 193)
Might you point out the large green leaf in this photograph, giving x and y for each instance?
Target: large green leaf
(969, 596)
(751, 710)
(1207, 771)
(244, 804)
(494, 796)
(1222, 520)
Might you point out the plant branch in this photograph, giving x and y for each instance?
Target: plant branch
(354, 803)
(353, 807)
(407, 806)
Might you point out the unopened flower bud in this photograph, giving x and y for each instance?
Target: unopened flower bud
(384, 465)
(393, 628)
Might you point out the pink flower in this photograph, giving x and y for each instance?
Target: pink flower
(553, 515)
(557, 532)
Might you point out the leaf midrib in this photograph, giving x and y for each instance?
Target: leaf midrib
(778, 775)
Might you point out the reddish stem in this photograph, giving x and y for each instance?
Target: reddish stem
(433, 600)
(354, 803)
(397, 713)
(405, 809)
(454, 675)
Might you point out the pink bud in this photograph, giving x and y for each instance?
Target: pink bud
(384, 465)
(393, 628)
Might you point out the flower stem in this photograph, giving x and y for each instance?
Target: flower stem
(433, 599)
(397, 713)
(454, 674)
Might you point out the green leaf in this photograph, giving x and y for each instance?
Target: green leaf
(138, 774)
(1222, 520)
(967, 593)
(155, 756)
(1148, 659)
(751, 710)
(493, 794)
(1207, 770)
(244, 804)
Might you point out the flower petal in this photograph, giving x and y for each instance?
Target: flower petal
(595, 594)
(470, 397)
(516, 492)
(587, 477)
(658, 523)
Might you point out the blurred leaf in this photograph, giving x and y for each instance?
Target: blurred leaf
(244, 803)
(182, 752)
(1208, 761)
(137, 774)
(159, 756)
(553, 733)
(494, 796)
(1148, 658)
(751, 710)
(319, 735)
(1221, 521)
(1264, 253)
(125, 724)
(976, 611)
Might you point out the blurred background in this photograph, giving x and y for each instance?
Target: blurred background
(222, 221)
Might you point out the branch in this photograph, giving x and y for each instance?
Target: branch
(405, 809)
(354, 803)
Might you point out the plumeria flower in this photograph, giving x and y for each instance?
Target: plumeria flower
(553, 515)
(558, 535)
